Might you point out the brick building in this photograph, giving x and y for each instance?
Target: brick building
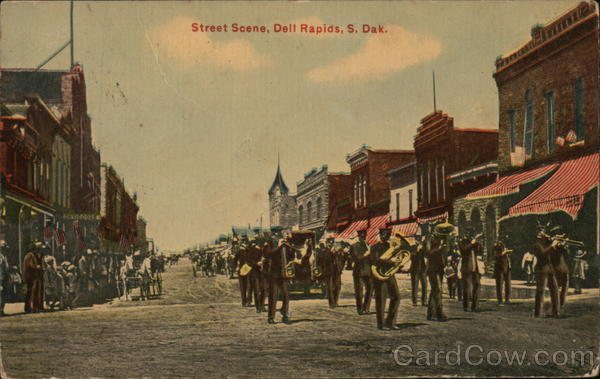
(403, 199)
(317, 196)
(283, 210)
(441, 149)
(370, 183)
(548, 136)
(118, 213)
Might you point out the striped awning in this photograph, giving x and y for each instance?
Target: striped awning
(375, 224)
(439, 216)
(350, 231)
(565, 190)
(407, 230)
(510, 184)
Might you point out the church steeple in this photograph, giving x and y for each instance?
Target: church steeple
(278, 181)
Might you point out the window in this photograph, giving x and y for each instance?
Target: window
(308, 212)
(513, 129)
(528, 133)
(355, 193)
(319, 206)
(428, 184)
(550, 120)
(397, 206)
(443, 181)
(410, 202)
(579, 125)
(437, 182)
(364, 192)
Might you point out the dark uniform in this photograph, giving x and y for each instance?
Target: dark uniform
(332, 265)
(361, 275)
(502, 268)
(278, 283)
(561, 271)
(33, 276)
(240, 258)
(254, 277)
(390, 284)
(544, 274)
(435, 274)
(469, 250)
(418, 274)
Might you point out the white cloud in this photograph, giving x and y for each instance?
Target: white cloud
(179, 43)
(381, 56)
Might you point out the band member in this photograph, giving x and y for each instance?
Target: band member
(333, 265)
(502, 271)
(471, 274)
(33, 275)
(254, 277)
(451, 274)
(561, 271)
(240, 256)
(418, 274)
(361, 273)
(390, 284)
(434, 251)
(528, 264)
(278, 281)
(544, 274)
(580, 266)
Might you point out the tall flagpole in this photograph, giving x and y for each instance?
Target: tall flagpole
(434, 105)
(72, 38)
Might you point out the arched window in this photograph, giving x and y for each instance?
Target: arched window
(300, 214)
(364, 191)
(319, 206)
(309, 212)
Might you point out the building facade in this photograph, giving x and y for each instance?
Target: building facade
(440, 150)
(548, 138)
(283, 211)
(370, 186)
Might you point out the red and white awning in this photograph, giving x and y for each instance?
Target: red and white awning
(565, 190)
(510, 184)
(439, 216)
(375, 224)
(350, 231)
(407, 230)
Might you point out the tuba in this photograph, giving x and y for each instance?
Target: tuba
(396, 257)
(288, 269)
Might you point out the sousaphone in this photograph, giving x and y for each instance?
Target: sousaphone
(395, 257)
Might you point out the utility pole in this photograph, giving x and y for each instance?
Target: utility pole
(72, 38)
(434, 105)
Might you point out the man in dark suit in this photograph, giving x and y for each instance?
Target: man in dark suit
(502, 268)
(278, 279)
(418, 274)
(240, 257)
(33, 276)
(469, 249)
(434, 251)
(333, 264)
(544, 274)
(254, 260)
(361, 273)
(561, 271)
(390, 284)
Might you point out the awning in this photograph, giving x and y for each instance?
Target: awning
(565, 190)
(510, 184)
(439, 216)
(350, 231)
(374, 226)
(407, 230)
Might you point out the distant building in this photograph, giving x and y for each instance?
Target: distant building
(317, 196)
(282, 205)
(403, 199)
(370, 200)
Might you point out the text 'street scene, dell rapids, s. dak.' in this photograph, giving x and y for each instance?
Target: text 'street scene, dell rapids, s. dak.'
(299, 189)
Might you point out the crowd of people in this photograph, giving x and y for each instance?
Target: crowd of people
(91, 278)
(266, 266)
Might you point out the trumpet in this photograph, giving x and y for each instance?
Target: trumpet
(567, 241)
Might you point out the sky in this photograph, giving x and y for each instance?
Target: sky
(194, 121)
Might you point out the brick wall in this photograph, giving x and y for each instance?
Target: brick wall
(551, 67)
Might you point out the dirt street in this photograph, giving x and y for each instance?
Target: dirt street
(200, 329)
